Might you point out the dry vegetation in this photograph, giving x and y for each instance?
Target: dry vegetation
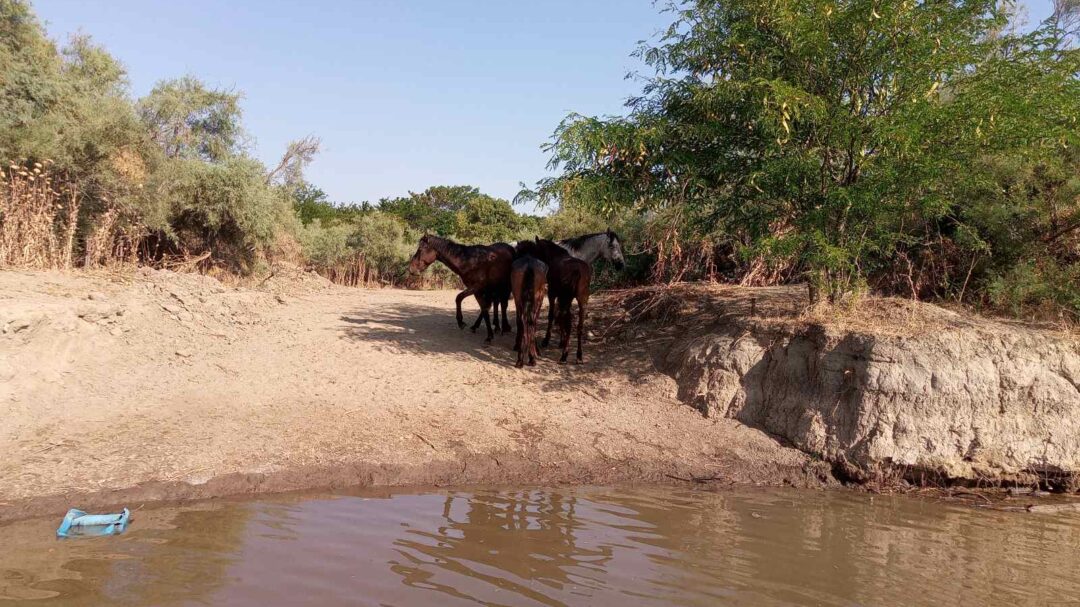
(625, 312)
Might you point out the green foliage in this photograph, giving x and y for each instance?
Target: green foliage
(360, 248)
(832, 141)
(483, 220)
(169, 168)
(325, 245)
(65, 105)
(462, 213)
(433, 210)
(211, 201)
(312, 205)
(385, 241)
(189, 120)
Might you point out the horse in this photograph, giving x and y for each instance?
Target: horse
(501, 294)
(568, 279)
(484, 270)
(590, 247)
(528, 283)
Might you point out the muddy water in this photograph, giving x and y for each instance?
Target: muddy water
(555, 547)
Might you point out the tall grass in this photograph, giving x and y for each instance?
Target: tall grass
(39, 223)
(36, 230)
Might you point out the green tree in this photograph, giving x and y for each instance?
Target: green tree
(189, 120)
(432, 210)
(484, 219)
(837, 136)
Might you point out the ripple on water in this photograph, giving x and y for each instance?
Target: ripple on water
(585, 546)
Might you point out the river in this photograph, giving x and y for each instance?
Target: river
(559, 546)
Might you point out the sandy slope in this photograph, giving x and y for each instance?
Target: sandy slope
(149, 385)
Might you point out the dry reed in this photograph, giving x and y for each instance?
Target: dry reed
(39, 223)
(32, 217)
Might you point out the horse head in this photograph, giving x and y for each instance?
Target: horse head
(424, 256)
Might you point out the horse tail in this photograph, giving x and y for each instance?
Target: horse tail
(527, 281)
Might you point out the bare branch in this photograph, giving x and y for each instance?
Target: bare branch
(298, 155)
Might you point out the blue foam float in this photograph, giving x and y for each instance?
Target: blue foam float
(78, 523)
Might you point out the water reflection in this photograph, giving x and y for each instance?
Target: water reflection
(556, 547)
(511, 541)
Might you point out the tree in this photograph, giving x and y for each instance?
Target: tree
(290, 170)
(189, 120)
(432, 210)
(484, 219)
(836, 137)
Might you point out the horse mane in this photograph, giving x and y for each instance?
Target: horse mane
(445, 245)
(579, 241)
(541, 248)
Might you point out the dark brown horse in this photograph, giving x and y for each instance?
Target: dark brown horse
(528, 283)
(501, 294)
(484, 270)
(568, 279)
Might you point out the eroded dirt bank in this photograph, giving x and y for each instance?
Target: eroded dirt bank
(899, 389)
(155, 385)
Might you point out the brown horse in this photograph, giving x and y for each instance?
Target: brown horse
(502, 293)
(485, 271)
(528, 283)
(568, 279)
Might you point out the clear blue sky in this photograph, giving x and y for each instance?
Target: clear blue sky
(404, 93)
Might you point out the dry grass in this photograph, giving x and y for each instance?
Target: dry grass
(354, 272)
(38, 218)
(39, 222)
(787, 308)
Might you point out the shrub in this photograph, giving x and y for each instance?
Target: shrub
(226, 209)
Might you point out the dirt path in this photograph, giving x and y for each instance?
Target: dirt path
(167, 386)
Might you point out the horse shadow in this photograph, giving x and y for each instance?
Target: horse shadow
(427, 330)
(423, 330)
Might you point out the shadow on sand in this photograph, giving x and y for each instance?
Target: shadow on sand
(432, 331)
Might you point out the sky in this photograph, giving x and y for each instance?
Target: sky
(404, 94)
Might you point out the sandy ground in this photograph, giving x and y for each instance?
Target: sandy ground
(157, 386)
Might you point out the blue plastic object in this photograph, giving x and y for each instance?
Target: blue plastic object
(79, 523)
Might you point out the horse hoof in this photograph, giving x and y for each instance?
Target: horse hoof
(519, 364)
(460, 324)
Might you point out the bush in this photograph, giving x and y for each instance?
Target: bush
(225, 209)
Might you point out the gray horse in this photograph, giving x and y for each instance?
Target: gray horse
(588, 248)
(591, 247)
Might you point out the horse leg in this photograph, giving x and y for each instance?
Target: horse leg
(530, 343)
(566, 325)
(534, 353)
(457, 301)
(485, 307)
(519, 314)
(536, 322)
(494, 300)
(551, 320)
(505, 321)
(521, 343)
(581, 302)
